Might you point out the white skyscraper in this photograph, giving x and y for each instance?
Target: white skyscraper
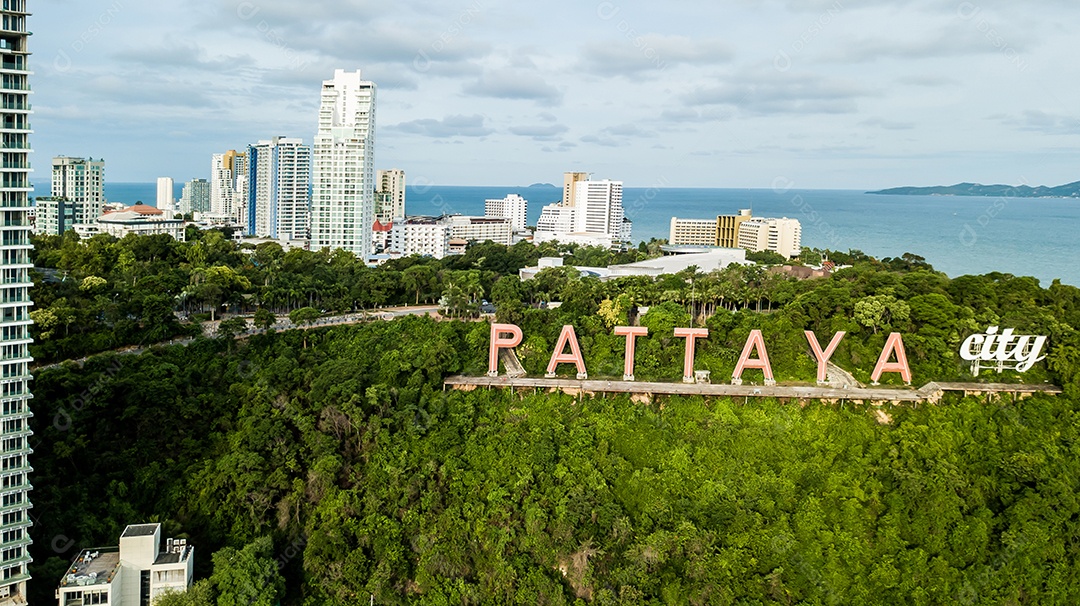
(595, 219)
(343, 187)
(512, 207)
(390, 194)
(165, 200)
(80, 182)
(15, 306)
(280, 196)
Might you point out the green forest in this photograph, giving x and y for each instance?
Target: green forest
(329, 466)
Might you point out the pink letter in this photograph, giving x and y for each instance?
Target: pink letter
(499, 342)
(631, 334)
(574, 357)
(895, 344)
(823, 357)
(692, 335)
(754, 340)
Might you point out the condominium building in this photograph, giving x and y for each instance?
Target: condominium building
(596, 217)
(570, 181)
(279, 189)
(390, 194)
(343, 187)
(165, 199)
(135, 573)
(15, 304)
(782, 236)
(512, 207)
(53, 216)
(81, 182)
(228, 176)
(424, 236)
(480, 229)
(196, 197)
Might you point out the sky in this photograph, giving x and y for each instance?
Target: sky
(811, 94)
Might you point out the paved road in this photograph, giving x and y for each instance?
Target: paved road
(283, 323)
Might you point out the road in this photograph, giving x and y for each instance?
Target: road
(283, 323)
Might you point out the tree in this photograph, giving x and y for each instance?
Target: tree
(264, 318)
(879, 311)
(248, 576)
(304, 316)
(201, 593)
(229, 328)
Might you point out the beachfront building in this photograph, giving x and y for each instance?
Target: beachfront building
(512, 207)
(722, 232)
(343, 187)
(782, 236)
(595, 218)
(195, 198)
(165, 199)
(137, 572)
(279, 189)
(15, 307)
(390, 194)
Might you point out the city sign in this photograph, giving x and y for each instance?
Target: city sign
(1004, 351)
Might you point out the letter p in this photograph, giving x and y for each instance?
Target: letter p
(503, 336)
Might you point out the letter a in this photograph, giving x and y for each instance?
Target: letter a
(573, 357)
(895, 344)
(499, 341)
(823, 357)
(754, 340)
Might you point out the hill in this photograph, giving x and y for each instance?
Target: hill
(1069, 190)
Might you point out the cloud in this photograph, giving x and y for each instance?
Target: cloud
(651, 52)
(540, 132)
(762, 93)
(182, 54)
(887, 124)
(450, 126)
(1039, 121)
(514, 84)
(618, 135)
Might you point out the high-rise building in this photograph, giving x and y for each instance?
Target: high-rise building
(81, 182)
(343, 188)
(279, 189)
(783, 236)
(596, 217)
(224, 169)
(512, 207)
(165, 200)
(570, 181)
(196, 197)
(390, 194)
(15, 338)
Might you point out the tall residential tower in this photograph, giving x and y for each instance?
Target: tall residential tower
(343, 181)
(15, 304)
(279, 189)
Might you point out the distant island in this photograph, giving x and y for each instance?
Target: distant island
(1070, 190)
(546, 185)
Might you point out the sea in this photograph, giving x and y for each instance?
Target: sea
(957, 235)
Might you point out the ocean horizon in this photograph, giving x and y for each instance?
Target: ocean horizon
(957, 235)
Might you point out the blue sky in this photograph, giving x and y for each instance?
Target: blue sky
(739, 93)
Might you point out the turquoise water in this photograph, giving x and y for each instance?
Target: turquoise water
(958, 235)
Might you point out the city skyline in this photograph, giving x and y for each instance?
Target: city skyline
(819, 94)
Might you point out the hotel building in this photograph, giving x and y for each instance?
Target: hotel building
(782, 236)
(594, 219)
(512, 207)
(722, 232)
(279, 189)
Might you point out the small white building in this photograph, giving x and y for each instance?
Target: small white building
(139, 219)
(481, 229)
(135, 573)
(424, 236)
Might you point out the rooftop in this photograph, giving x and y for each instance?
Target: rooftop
(93, 567)
(140, 530)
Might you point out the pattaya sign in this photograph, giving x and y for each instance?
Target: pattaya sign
(1003, 351)
(893, 357)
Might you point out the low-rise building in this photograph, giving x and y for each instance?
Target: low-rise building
(706, 261)
(722, 231)
(137, 572)
(424, 236)
(481, 229)
(139, 219)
